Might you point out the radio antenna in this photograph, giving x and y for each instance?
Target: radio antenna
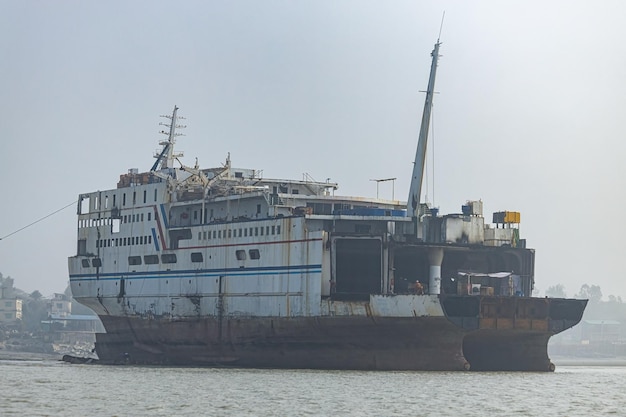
(441, 27)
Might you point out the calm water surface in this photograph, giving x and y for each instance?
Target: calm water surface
(48, 388)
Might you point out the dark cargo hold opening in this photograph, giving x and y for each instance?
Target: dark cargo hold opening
(358, 268)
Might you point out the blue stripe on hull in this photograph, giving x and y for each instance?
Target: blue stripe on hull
(154, 238)
(268, 270)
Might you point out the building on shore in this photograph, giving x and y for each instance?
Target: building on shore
(10, 305)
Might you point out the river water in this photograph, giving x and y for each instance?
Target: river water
(51, 388)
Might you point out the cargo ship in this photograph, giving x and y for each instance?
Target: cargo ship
(224, 267)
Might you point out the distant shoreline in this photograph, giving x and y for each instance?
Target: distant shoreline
(12, 355)
(568, 361)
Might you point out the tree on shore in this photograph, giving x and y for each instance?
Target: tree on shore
(592, 292)
(556, 291)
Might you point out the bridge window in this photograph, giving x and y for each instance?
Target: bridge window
(168, 258)
(151, 259)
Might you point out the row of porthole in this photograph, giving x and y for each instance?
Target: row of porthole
(241, 232)
(124, 241)
(170, 258)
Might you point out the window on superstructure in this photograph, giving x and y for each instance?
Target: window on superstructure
(106, 201)
(267, 230)
(83, 205)
(149, 239)
(258, 209)
(199, 236)
(145, 193)
(195, 214)
(256, 231)
(204, 235)
(95, 203)
(245, 232)
(230, 233)
(262, 230)
(149, 216)
(141, 216)
(96, 262)
(134, 197)
(214, 234)
(81, 247)
(273, 230)
(254, 254)
(115, 225)
(151, 259)
(114, 199)
(134, 260)
(168, 258)
(155, 194)
(123, 199)
(240, 255)
(219, 234)
(85, 263)
(196, 257)
(240, 233)
(278, 229)
(294, 191)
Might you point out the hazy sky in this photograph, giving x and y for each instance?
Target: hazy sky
(529, 115)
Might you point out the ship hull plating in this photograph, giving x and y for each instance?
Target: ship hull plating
(360, 343)
(356, 343)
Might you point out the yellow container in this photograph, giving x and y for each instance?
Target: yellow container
(511, 217)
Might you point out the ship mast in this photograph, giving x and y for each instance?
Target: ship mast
(166, 156)
(413, 202)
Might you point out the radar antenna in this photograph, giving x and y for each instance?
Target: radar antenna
(167, 156)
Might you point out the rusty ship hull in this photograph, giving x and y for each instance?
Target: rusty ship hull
(474, 343)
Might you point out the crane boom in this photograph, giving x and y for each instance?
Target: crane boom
(415, 190)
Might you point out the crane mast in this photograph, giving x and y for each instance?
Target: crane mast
(415, 190)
